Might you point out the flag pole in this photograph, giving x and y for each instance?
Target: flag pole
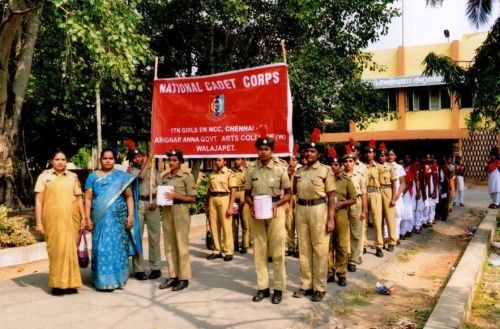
(283, 50)
(152, 165)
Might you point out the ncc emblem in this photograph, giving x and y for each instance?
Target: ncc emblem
(217, 106)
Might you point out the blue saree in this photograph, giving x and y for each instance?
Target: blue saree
(112, 243)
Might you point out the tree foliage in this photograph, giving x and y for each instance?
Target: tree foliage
(324, 40)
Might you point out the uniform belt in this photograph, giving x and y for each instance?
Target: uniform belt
(313, 202)
(241, 188)
(178, 202)
(146, 197)
(219, 193)
(372, 189)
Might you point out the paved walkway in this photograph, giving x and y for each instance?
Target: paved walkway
(219, 296)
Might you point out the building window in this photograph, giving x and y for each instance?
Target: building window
(466, 100)
(427, 98)
(392, 99)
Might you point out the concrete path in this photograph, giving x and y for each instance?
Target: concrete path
(219, 296)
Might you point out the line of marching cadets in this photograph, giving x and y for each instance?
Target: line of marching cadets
(321, 210)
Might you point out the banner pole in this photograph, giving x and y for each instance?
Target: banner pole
(156, 68)
(283, 50)
(152, 165)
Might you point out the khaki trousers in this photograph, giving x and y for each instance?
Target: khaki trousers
(270, 232)
(243, 218)
(341, 242)
(151, 218)
(222, 226)
(290, 225)
(313, 245)
(374, 200)
(356, 231)
(176, 221)
(388, 215)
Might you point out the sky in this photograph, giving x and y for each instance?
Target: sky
(425, 25)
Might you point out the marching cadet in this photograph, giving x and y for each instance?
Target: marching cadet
(176, 221)
(460, 172)
(239, 171)
(219, 207)
(354, 147)
(430, 187)
(374, 199)
(267, 178)
(387, 179)
(358, 212)
(400, 184)
(315, 212)
(345, 197)
(292, 249)
(149, 215)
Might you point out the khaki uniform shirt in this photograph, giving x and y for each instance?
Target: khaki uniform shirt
(359, 181)
(387, 174)
(373, 177)
(314, 182)
(49, 175)
(360, 167)
(144, 183)
(268, 179)
(222, 181)
(183, 182)
(345, 191)
(239, 176)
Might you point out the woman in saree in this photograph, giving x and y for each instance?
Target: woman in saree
(59, 215)
(109, 203)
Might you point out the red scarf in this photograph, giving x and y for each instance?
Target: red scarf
(493, 166)
(410, 180)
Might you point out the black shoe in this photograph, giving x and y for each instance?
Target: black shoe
(228, 258)
(424, 225)
(57, 292)
(331, 278)
(342, 281)
(277, 296)
(402, 237)
(461, 205)
(364, 251)
(269, 259)
(301, 293)
(172, 282)
(390, 247)
(296, 254)
(70, 291)
(243, 250)
(155, 274)
(290, 252)
(408, 234)
(214, 256)
(318, 296)
(261, 294)
(181, 285)
(141, 276)
(351, 267)
(379, 253)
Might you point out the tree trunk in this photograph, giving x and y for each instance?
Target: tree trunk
(8, 31)
(98, 117)
(11, 120)
(23, 71)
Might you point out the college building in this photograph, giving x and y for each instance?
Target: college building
(428, 117)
